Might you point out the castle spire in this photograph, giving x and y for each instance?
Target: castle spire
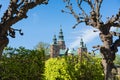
(81, 43)
(54, 39)
(54, 48)
(61, 37)
(82, 49)
(61, 41)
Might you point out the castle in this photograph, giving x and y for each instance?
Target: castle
(58, 47)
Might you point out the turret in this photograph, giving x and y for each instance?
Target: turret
(81, 43)
(61, 37)
(61, 41)
(54, 40)
(54, 48)
(82, 49)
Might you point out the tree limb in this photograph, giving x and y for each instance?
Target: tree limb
(113, 21)
(90, 4)
(17, 12)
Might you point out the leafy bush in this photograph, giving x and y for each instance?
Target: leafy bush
(117, 59)
(71, 68)
(23, 64)
(56, 69)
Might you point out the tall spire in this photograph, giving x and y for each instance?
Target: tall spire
(61, 37)
(81, 43)
(54, 40)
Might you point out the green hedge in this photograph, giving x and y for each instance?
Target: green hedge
(23, 64)
(70, 68)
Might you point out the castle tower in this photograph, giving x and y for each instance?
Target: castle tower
(54, 48)
(61, 41)
(82, 49)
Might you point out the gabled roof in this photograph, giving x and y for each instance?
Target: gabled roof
(63, 51)
(72, 51)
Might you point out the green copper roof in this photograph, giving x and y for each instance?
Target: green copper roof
(54, 39)
(61, 37)
(72, 51)
(62, 51)
(81, 43)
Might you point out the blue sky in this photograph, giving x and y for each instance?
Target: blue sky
(44, 21)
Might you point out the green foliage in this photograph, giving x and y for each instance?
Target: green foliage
(71, 68)
(117, 59)
(23, 64)
(43, 46)
(56, 69)
(117, 77)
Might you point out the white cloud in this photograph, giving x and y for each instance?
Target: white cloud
(88, 35)
(113, 29)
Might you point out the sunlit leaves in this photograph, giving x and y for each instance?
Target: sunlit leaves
(70, 68)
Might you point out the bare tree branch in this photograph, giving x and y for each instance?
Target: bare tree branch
(93, 18)
(17, 10)
(114, 20)
(90, 4)
(79, 6)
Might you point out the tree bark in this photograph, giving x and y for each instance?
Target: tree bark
(108, 54)
(3, 43)
(17, 10)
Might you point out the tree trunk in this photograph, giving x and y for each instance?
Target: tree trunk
(108, 56)
(3, 43)
(16, 11)
(109, 70)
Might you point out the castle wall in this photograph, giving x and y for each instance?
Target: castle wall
(62, 45)
(54, 51)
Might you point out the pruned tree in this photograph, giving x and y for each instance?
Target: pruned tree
(17, 10)
(94, 19)
(43, 46)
